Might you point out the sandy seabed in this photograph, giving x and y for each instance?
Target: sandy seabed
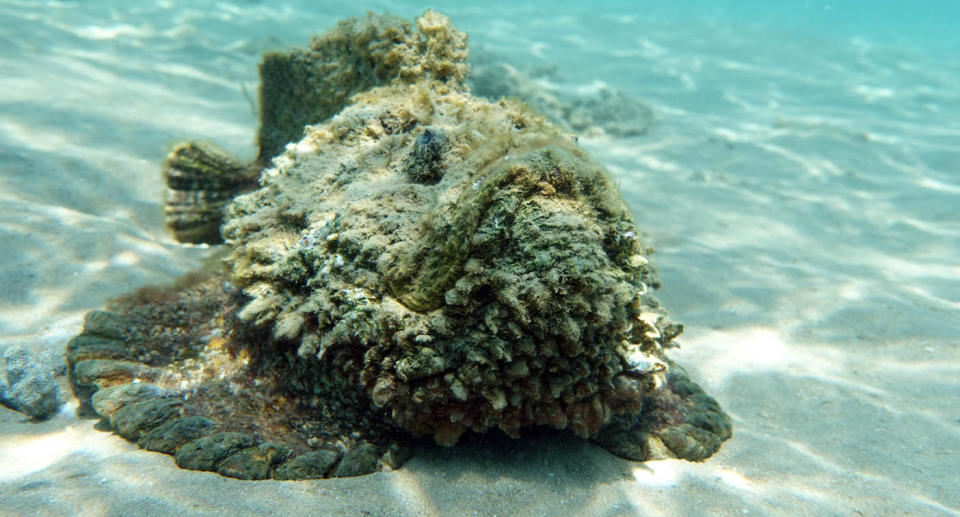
(803, 193)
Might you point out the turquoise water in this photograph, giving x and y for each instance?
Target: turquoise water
(911, 23)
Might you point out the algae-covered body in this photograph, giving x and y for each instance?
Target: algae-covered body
(511, 291)
(426, 263)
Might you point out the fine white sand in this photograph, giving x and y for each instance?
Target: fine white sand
(803, 192)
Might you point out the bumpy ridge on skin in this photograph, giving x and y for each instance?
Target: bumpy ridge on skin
(307, 86)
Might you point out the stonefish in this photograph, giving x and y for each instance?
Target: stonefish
(403, 260)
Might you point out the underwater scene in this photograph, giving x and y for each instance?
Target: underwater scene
(504, 258)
